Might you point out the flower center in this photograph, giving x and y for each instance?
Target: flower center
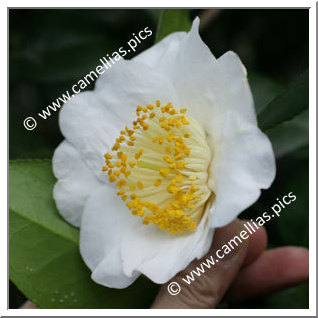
(160, 166)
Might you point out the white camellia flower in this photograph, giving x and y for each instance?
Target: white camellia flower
(165, 149)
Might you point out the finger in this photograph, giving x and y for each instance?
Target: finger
(28, 305)
(207, 290)
(273, 270)
(256, 245)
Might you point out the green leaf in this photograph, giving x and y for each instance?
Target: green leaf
(293, 223)
(291, 135)
(44, 261)
(264, 90)
(287, 105)
(172, 20)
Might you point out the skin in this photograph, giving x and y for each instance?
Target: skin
(247, 272)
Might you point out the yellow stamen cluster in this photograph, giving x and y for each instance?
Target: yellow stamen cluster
(152, 166)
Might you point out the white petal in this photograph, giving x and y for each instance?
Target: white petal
(75, 182)
(130, 83)
(160, 255)
(117, 247)
(243, 164)
(87, 125)
(105, 221)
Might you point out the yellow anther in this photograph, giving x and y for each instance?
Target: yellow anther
(130, 143)
(144, 117)
(162, 119)
(187, 152)
(118, 164)
(119, 184)
(186, 135)
(179, 178)
(150, 106)
(184, 120)
(124, 197)
(132, 187)
(108, 156)
(123, 170)
(158, 182)
(172, 166)
(173, 189)
(168, 159)
(104, 168)
(158, 103)
(139, 108)
(170, 137)
(192, 178)
(178, 157)
(132, 164)
(116, 147)
(127, 173)
(164, 172)
(132, 138)
(180, 165)
(144, 125)
(109, 164)
(123, 158)
(182, 110)
(120, 192)
(117, 173)
(123, 132)
(112, 178)
(152, 115)
(171, 122)
(167, 150)
(165, 126)
(140, 185)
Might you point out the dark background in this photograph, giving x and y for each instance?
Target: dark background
(50, 50)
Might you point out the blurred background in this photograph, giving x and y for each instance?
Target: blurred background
(50, 50)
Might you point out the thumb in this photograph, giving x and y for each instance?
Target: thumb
(208, 288)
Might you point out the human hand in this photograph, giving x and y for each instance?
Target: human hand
(246, 272)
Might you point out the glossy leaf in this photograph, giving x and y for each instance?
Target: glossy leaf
(287, 105)
(291, 135)
(264, 90)
(173, 20)
(45, 263)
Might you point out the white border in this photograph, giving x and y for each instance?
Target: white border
(156, 312)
